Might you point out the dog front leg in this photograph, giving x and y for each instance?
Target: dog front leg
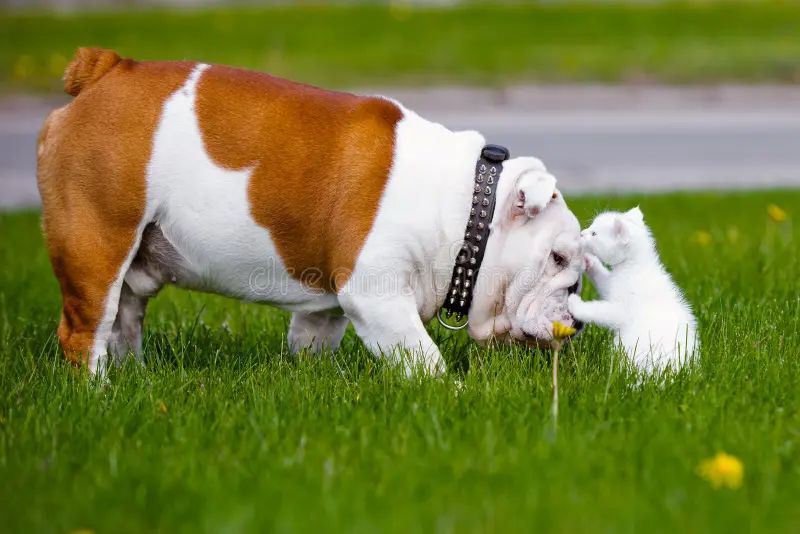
(390, 326)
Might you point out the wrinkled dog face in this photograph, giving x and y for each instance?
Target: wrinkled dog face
(533, 259)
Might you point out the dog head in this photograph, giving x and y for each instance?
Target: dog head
(533, 259)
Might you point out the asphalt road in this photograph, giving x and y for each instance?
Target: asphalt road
(594, 139)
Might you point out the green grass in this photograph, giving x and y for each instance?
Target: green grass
(491, 45)
(221, 432)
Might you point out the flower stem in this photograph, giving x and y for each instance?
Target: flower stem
(554, 405)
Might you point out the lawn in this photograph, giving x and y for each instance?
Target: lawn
(222, 432)
(495, 45)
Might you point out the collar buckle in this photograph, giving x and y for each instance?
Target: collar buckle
(459, 322)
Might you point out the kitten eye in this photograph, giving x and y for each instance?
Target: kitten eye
(559, 259)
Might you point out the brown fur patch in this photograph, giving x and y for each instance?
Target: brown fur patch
(93, 155)
(321, 160)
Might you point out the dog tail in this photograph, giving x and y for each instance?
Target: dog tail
(89, 65)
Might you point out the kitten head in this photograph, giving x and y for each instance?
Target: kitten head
(615, 236)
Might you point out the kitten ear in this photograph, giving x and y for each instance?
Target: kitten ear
(620, 229)
(635, 215)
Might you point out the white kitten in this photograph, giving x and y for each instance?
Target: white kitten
(640, 301)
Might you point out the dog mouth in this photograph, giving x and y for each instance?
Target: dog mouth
(537, 338)
(576, 324)
(571, 290)
(574, 288)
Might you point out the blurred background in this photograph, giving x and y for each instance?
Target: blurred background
(613, 96)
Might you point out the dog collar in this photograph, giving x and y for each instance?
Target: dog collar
(453, 313)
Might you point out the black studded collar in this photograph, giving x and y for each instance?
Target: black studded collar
(453, 313)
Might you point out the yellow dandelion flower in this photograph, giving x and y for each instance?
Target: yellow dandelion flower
(560, 331)
(723, 470)
(776, 213)
(701, 237)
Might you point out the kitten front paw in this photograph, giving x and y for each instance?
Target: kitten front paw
(591, 263)
(575, 306)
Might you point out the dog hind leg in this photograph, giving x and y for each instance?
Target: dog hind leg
(126, 334)
(316, 332)
(90, 271)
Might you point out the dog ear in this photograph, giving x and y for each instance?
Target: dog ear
(533, 189)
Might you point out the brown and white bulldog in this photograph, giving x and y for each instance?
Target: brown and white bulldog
(338, 207)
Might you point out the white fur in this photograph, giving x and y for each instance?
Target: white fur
(204, 212)
(639, 300)
(401, 276)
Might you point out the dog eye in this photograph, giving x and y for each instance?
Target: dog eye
(560, 260)
(594, 233)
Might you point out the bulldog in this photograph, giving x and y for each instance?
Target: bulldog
(338, 207)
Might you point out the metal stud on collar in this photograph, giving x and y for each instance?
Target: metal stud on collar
(453, 313)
